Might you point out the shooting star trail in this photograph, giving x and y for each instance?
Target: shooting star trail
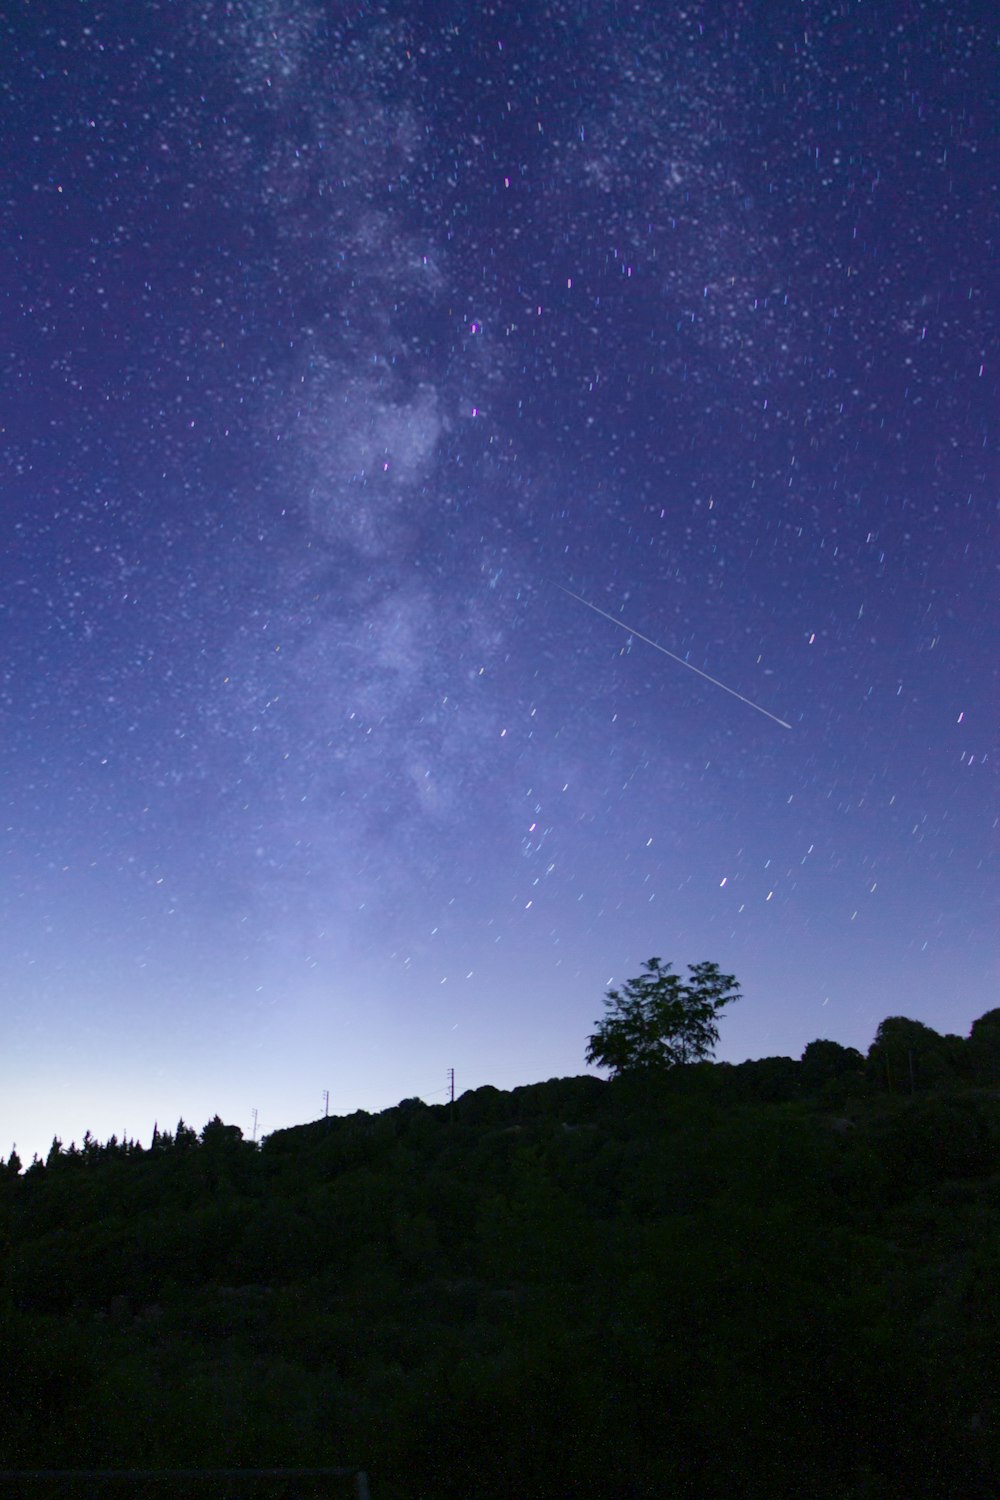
(657, 647)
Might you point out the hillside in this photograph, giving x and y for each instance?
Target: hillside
(715, 1281)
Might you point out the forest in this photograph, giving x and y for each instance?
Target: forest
(773, 1279)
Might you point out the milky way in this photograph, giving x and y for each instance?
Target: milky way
(334, 338)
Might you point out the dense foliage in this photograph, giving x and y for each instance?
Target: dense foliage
(659, 1021)
(776, 1279)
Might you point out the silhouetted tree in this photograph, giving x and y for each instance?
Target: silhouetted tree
(823, 1061)
(218, 1136)
(983, 1049)
(907, 1055)
(770, 1079)
(659, 1021)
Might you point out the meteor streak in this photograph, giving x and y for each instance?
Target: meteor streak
(657, 647)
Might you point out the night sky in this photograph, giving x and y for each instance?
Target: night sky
(339, 342)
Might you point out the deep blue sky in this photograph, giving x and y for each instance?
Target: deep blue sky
(338, 340)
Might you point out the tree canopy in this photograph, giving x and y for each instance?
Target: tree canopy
(658, 1020)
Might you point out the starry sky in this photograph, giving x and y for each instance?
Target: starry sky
(355, 358)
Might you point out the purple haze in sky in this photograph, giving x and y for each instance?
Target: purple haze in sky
(340, 343)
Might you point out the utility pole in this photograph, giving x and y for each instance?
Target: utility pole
(255, 1127)
(326, 1104)
(451, 1095)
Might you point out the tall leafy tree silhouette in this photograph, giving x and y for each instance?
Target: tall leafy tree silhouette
(659, 1020)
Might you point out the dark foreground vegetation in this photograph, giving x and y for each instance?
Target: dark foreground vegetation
(774, 1280)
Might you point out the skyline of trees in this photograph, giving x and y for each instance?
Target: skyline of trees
(905, 1057)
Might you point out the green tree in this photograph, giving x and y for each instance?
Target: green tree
(660, 1021)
